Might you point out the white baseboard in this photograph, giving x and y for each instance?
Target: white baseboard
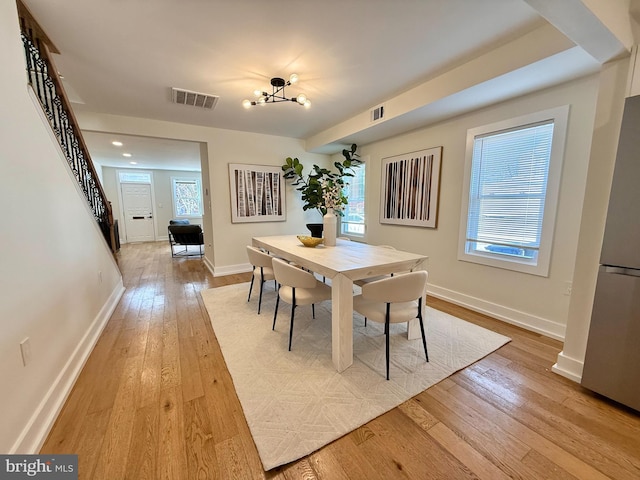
(230, 269)
(515, 317)
(209, 265)
(529, 322)
(568, 367)
(35, 433)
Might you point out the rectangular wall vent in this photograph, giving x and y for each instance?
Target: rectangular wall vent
(377, 113)
(194, 99)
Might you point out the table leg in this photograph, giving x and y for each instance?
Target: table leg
(342, 322)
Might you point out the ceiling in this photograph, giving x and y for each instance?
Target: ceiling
(146, 152)
(123, 57)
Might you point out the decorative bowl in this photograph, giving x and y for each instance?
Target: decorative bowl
(310, 241)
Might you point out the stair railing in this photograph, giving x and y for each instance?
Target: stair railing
(47, 85)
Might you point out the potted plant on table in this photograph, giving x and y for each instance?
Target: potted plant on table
(322, 189)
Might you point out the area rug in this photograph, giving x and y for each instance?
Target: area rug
(294, 401)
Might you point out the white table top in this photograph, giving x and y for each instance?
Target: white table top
(353, 259)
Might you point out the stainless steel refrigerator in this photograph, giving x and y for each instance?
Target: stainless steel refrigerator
(612, 361)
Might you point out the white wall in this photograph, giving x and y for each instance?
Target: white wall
(52, 253)
(539, 303)
(613, 84)
(224, 241)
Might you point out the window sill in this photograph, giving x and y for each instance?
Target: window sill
(514, 264)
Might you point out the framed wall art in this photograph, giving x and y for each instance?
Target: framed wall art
(410, 184)
(257, 193)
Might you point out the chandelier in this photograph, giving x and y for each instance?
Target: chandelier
(278, 94)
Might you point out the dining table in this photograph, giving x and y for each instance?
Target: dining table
(342, 264)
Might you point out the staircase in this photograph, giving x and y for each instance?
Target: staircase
(47, 85)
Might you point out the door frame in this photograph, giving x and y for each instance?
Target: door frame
(123, 229)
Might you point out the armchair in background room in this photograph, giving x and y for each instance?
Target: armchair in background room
(183, 234)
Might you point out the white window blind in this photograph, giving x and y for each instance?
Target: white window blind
(508, 189)
(511, 189)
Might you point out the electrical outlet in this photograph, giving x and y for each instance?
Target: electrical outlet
(25, 349)
(568, 286)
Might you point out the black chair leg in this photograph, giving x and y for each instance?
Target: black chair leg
(261, 286)
(424, 337)
(386, 331)
(260, 298)
(275, 313)
(250, 288)
(293, 312)
(387, 348)
(313, 310)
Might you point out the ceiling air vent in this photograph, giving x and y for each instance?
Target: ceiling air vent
(195, 99)
(377, 113)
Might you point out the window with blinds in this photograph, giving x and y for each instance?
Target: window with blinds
(509, 176)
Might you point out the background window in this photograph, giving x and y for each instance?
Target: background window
(187, 197)
(513, 178)
(134, 177)
(352, 223)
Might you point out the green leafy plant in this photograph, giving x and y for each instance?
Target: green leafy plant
(322, 183)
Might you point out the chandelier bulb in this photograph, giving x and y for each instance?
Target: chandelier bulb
(262, 100)
(257, 93)
(246, 103)
(301, 98)
(307, 103)
(293, 78)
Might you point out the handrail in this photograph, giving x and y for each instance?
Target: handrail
(45, 81)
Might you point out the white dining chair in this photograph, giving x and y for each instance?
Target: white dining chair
(297, 287)
(394, 300)
(262, 270)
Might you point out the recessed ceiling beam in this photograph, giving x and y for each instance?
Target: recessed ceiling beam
(601, 27)
(478, 74)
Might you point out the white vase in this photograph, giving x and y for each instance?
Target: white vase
(329, 228)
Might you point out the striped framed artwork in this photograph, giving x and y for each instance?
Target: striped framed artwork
(410, 184)
(257, 193)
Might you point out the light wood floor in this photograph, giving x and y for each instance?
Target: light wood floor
(155, 401)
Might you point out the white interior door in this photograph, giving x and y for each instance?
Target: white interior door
(138, 212)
